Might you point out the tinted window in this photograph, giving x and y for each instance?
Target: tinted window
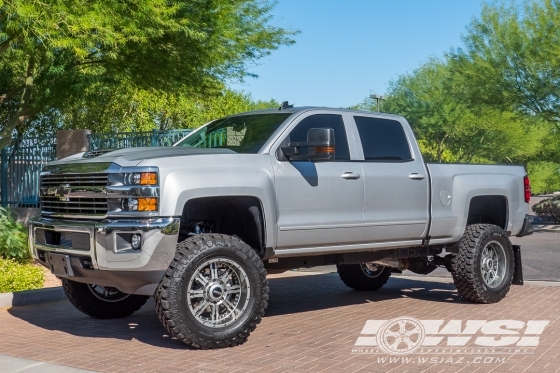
(299, 133)
(382, 139)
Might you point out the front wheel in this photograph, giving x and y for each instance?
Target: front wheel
(214, 293)
(102, 302)
(483, 268)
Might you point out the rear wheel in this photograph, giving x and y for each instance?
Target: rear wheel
(102, 302)
(364, 276)
(483, 268)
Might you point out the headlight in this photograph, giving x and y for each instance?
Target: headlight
(133, 191)
(140, 178)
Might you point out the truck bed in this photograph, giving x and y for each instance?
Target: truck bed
(455, 187)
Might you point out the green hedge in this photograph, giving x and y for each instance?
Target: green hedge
(16, 271)
(549, 209)
(18, 276)
(13, 237)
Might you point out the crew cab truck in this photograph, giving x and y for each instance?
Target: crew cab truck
(198, 225)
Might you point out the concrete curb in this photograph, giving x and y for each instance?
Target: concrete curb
(29, 297)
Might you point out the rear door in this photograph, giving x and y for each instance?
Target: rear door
(319, 203)
(396, 182)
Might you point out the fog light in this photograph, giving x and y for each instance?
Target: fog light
(147, 204)
(136, 241)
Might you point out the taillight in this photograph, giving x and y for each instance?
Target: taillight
(527, 185)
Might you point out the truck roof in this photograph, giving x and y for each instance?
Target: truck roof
(308, 108)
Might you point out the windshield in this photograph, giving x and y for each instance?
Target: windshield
(242, 134)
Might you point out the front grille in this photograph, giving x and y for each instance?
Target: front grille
(54, 181)
(74, 194)
(80, 206)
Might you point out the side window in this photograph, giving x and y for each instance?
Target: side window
(299, 133)
(383, 139)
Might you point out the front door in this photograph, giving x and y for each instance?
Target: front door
(319, 203)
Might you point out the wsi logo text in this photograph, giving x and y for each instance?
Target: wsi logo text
(406, 335)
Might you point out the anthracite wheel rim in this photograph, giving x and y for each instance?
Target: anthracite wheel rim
(218, 292)
(493, 264)
(371, 270)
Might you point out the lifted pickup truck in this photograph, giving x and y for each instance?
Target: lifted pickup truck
(199, 224)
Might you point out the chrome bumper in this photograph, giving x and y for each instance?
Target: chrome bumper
(96, 247)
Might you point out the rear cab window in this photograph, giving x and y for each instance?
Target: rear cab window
(383, 140)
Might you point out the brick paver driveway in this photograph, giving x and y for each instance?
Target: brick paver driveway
(312, 324)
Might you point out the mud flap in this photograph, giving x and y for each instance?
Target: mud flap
(517, 270)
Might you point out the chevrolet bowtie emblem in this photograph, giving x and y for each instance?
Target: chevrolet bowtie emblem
(62, 191)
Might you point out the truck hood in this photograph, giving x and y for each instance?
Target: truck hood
(133, 156)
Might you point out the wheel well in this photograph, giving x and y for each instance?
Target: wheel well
(240, 216)
(488, 210)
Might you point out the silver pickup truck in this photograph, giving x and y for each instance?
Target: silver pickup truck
(198, 225)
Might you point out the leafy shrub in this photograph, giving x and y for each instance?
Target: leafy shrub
(549, 209)
(13, 237)
(18, 276)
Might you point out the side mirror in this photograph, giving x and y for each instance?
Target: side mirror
(319, 145)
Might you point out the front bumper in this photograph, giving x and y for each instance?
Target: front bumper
(98, 251)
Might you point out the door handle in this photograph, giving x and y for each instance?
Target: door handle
(350, 176)
(416, 176)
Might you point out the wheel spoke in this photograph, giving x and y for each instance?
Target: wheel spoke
(215, 312)
(230, 306)
(390, 333)
(415, 330)
(200, 308)
(408, 342)
(201, 279)
(227, 274)
(402, 326)
(196, 294)
(395, 343)
(234, 289)
(214, 271)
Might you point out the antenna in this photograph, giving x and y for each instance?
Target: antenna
(285, 105)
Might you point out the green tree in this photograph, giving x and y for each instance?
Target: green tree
(449, 130)
(127, 108)
(511, 62)
(52, 52)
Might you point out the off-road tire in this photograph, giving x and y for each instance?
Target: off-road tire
(354, 277)
(84, 300)
(466, 265)
(170, 296)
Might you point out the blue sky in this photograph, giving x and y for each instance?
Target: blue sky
(349, 49)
